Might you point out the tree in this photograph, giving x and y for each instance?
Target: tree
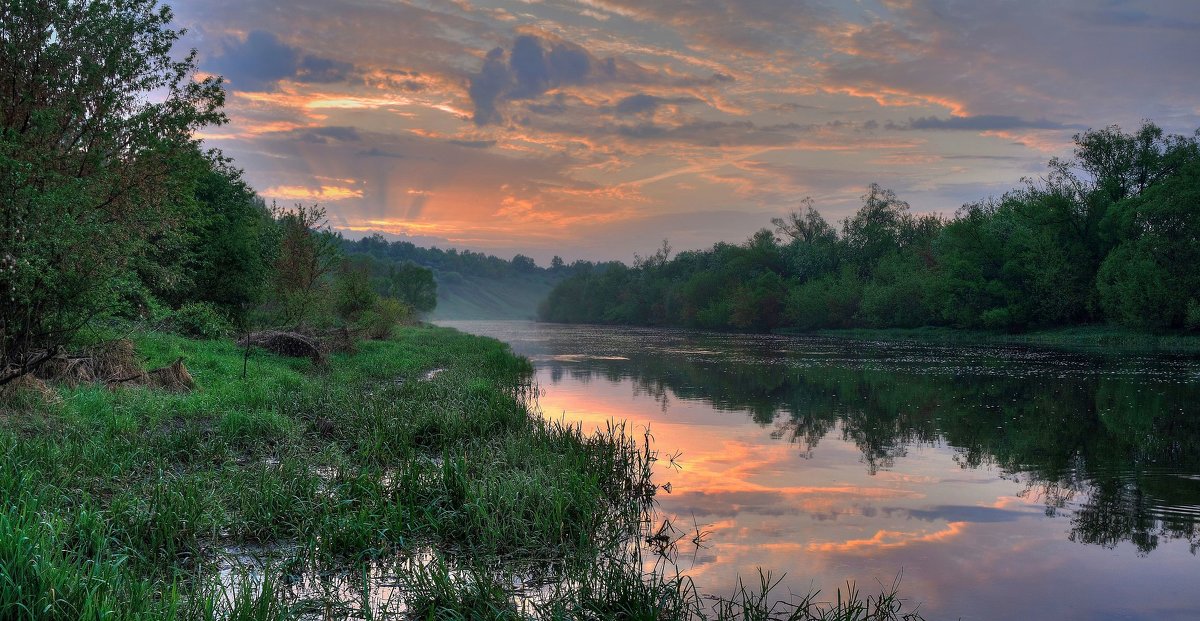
(1150, 280)
(97, 119)
(805, 225)
(414, 285)
(876, 229)
(353, 294)
(234, 244)
(307, 253)
(522, 263)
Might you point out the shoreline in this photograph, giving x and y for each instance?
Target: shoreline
(411, 477)
(1091, 338)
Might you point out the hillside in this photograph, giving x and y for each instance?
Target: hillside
(477, 297)
(470, 285)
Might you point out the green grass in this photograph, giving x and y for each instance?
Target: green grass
(1078, 337)
(127, 504)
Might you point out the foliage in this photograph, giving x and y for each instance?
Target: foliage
(352, 293)
(413, 285)
(307, 255)
(1111, 235)
(234, 243)
(384, 315)
(200, 320)
(97, 158)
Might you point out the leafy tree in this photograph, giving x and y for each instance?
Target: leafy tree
(876, 229)
(234, 245)
(414, 285)
(805, 225)
(307, 254)
(97, 119)
(353, 294)
(522, 263)
(1150, 279)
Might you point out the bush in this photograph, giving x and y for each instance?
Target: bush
(200, 320)
(352, 292)
(1137, 289)
(383, 316)
(1192, 320)
(133, 300)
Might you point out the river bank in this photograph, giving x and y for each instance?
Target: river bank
(125, 503)
(410, 478)
(1076, 337)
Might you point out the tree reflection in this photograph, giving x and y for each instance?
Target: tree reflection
(1117, 454)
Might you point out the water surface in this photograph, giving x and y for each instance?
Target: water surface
(1003, 482)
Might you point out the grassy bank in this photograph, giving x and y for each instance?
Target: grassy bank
(411, 478)
(1081, 337)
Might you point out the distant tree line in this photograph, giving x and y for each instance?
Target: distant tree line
(111, 210)
(383, 260)
(1109, 236)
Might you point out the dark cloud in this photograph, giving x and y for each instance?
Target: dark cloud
(556, 106)
(981, 122)
(532, 67)
(487, 85)
(1079, 61)
(536, 68)
(535, 65)
(638, 104)
(322, 70)
(261, 59)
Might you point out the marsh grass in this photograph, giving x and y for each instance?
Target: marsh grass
(362, 488)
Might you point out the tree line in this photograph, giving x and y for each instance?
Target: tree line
(1111, 235)
(451, 265)
(113, 210)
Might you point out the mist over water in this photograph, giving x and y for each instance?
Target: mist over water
(1002, 482)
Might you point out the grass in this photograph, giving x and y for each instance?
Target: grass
(340, 483)
(1078, 337)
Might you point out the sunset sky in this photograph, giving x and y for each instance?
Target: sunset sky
(595, 128)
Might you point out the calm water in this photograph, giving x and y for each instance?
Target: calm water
(1004, 482)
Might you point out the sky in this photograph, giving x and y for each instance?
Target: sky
(594, 129)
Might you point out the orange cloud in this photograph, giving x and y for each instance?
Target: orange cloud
(892, 97)
(302, 193)
(890, 539)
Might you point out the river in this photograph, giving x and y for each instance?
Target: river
(994, 482)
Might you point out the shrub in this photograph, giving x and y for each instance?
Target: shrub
(200, 320)
(383, 316)
(1192, 320)
(352, 292)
